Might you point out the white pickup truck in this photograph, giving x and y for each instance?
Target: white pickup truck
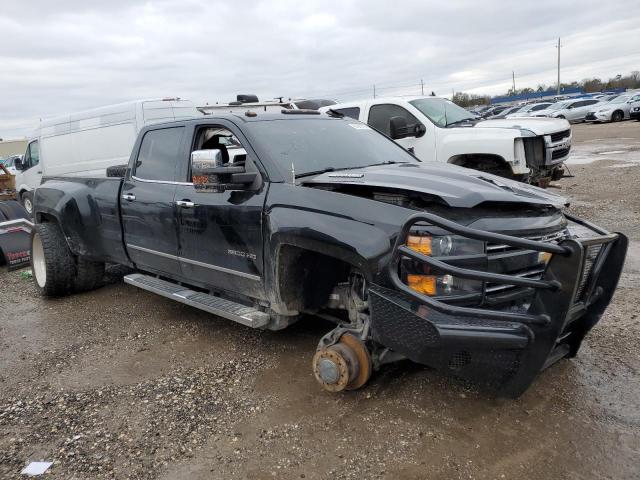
(434, 128)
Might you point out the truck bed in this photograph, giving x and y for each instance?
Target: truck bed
(91, 220)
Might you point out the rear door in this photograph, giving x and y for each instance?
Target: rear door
(585, 107)
(221, 232)
(147, 202)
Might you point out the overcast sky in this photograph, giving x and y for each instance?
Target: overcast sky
(68, 55)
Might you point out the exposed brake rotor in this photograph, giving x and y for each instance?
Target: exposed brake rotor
(345, 365)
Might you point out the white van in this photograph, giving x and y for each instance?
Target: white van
(86, 143)
(436, 129)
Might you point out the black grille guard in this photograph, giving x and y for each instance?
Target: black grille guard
(550, 283)
(567, 301)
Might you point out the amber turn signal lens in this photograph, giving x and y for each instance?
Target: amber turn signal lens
(422, 284)
(419, 244)
(544, 257)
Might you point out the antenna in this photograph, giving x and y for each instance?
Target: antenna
(558, 47)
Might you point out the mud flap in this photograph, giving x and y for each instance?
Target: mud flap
(15, 243)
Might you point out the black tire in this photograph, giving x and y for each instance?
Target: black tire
(12, 210)
(51, 261)
(617, 116)
(26, 199)
(88, 275)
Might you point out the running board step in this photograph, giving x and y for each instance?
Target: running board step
(237, 312)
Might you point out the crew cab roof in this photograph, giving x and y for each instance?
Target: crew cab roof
(259, 117)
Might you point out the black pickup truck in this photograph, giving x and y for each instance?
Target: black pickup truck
(266, 219)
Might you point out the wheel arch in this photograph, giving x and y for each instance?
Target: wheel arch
(305, 277)
(491, 161)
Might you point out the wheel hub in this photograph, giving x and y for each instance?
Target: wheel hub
(329, 371)
(345, 365)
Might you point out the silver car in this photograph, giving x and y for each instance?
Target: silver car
(529, 110)
(614, 110)
(574, 111)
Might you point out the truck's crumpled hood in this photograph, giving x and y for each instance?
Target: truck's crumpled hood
(539, 126)
(456, 186)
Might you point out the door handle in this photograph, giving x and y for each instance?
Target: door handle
(128, 196)
(185, 203)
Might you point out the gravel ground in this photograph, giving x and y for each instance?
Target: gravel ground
(119, 383)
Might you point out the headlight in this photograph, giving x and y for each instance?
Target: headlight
(444, 245)
(518, 151)
(420, 277)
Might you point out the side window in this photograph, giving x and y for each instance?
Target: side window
(223, 139)
(590, 102)
(379, 116)
(539, 107)
(159, 154)
(578, 104)
(32, 156)
(352, 112)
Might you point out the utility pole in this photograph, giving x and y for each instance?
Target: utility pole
(422, 86)
(558, 47)
(514, 81)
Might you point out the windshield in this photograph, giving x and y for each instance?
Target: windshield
(620, 99)
(442, 112)
(558, 106)
(314, 145)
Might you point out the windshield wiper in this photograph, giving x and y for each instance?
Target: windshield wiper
(464, 120)
(389, 162)
(334, 169)
(318, 172)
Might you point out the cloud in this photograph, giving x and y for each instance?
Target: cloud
(70, 55)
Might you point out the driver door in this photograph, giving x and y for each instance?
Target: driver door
(379, 118)
(31, 174)
(220, 233)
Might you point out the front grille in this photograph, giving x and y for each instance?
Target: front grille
(590, 256)
(554, 237)
(562, 152)
(558, 136)
(517, 262)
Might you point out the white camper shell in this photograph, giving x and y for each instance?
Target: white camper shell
(86, 143)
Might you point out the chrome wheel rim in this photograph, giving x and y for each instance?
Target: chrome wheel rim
(28, 206)
(37, 259)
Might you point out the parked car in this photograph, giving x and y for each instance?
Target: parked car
(635, 112)
(61, 145)
(529, 110)
(436, 129)
(574, 111)
(327, 216)
(492, 112)
(614, 110)
(508, 111)
(10, 163)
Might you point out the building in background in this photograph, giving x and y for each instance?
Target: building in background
(12, 147)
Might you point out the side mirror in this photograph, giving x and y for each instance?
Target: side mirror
(18, 165)
(398, 128)
(210, 174)
(420, 130)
